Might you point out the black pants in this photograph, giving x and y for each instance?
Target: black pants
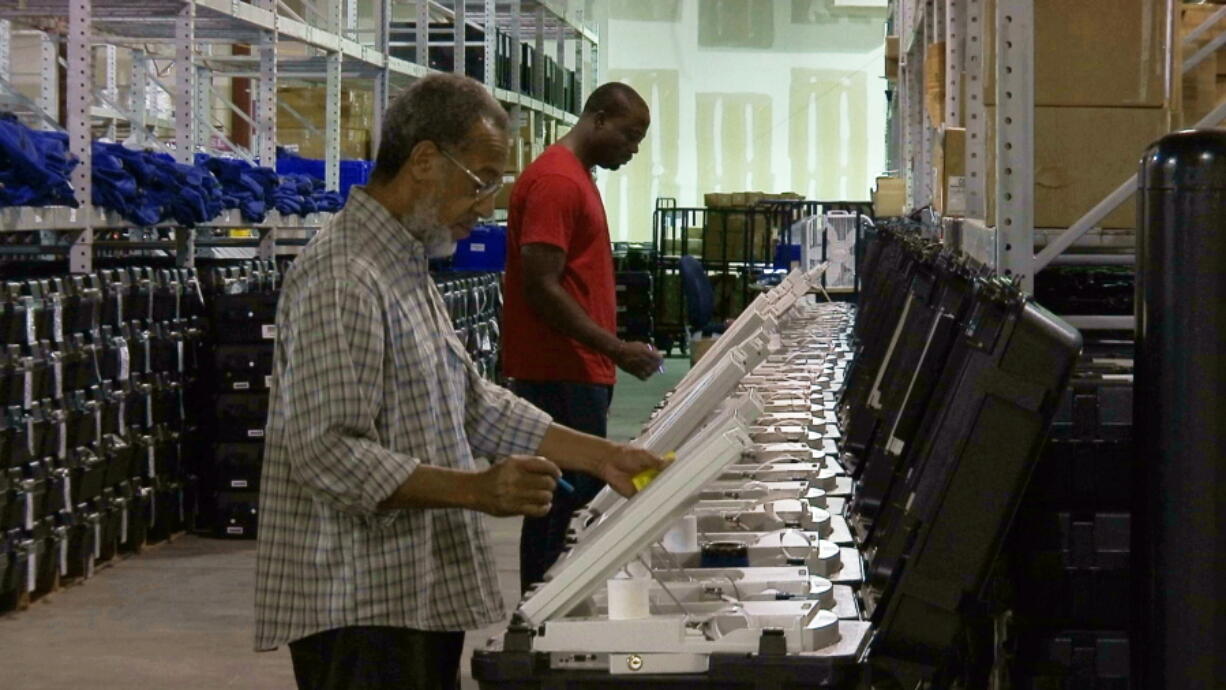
(582, 407)
(375, 657)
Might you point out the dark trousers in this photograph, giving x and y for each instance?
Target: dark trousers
(582, 407)
(375, 657)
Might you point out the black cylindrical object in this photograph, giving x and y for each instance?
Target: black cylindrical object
(1180, 413)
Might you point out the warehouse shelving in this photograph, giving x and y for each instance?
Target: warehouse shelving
(319, 40)
(1010, 245)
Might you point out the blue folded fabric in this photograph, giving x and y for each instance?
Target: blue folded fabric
(35, 166)
(148, 188)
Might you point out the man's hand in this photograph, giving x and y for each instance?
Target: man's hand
(639, 359)
(517, 485)
(620, 466)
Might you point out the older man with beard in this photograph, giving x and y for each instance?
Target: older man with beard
(373, 558)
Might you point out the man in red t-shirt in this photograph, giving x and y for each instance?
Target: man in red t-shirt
(559, 321)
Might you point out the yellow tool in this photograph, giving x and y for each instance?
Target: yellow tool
(642, 479)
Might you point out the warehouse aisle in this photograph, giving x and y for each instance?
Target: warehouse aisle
(179, 615)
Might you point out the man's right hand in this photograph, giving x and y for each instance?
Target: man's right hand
(517, 485)
(639, 359)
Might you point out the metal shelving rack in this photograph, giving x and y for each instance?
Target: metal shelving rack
(1010, 245)
(342, 40)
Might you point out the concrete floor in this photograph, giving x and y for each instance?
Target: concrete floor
(180, 614)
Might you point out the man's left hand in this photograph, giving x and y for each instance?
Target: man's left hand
(622, 464)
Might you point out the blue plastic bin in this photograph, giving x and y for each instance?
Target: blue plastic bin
(351, 171)
(484, 250)
(786, 255)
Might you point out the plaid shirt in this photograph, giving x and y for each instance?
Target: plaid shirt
(370, 381)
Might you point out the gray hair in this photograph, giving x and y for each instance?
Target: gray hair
(441, 108)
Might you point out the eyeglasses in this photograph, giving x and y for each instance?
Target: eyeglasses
(483, 189)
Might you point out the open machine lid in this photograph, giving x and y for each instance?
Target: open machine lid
(763, 312)
(621, 536)
(689, 411)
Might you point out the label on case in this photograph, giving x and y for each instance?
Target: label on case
(59, 379)
(28, 393)
(179, 352)
(29, 510)
(242, 385)
(234, 530)
(255, 433)
(268, 331)
(31, 332)
(238, 483)
(57, 319)
(476, 247)
(97, 366)
(124, 360)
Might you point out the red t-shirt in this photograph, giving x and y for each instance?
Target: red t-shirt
(556, 202)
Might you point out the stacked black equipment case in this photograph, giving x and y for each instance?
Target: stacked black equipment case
(96, 374)
(243, 309)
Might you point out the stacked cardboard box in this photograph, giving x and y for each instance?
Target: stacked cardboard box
(308, 103)
(1101, 96)
(736, 220)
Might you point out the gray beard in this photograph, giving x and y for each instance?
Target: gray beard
(423, 224)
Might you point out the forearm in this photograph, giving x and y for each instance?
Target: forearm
(575, 450)
(435, 487)
(554, 305)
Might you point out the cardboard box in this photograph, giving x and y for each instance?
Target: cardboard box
(669, 310)
(934, 82)
(891, 58)
(1194, 16)
(889, 197)
(729, 295)
(698, 348)
(1081, 155)
(1093, 52)
(692, 245)
(1200, 92)
(949, 198)
(355, 143)
(727, 231)
(503, 198)
(357, 106)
